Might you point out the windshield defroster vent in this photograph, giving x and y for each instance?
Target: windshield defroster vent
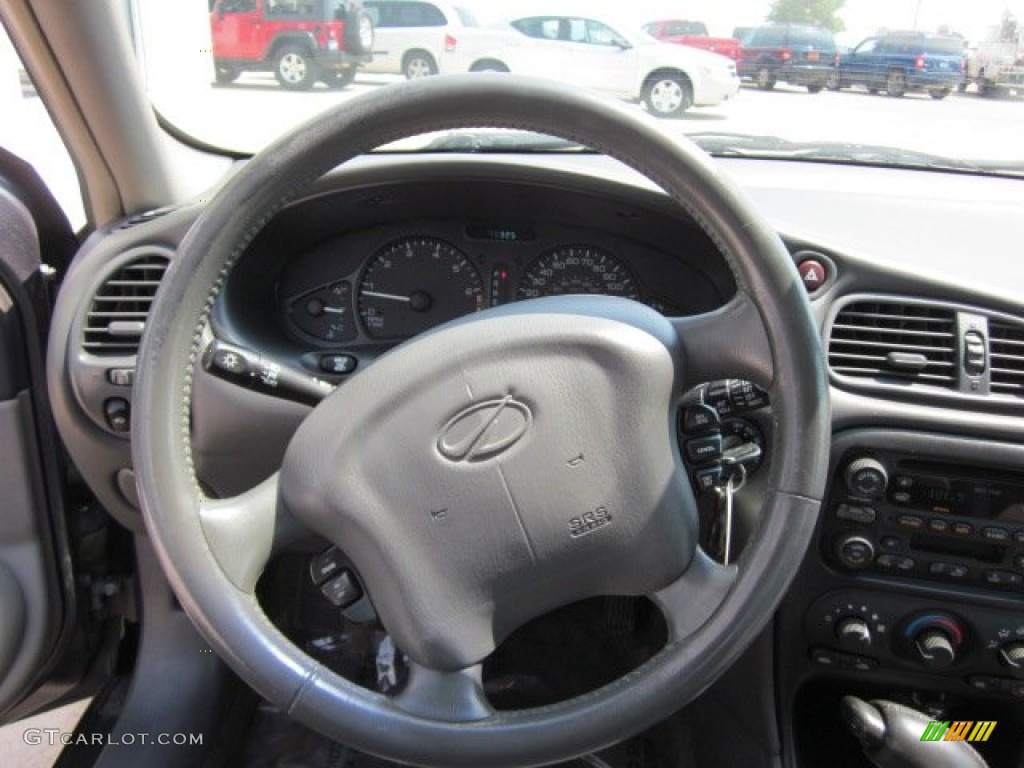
(895, 342)
(117, 315)
(1006, 356)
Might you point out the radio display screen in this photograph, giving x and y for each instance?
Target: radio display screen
(973, 497)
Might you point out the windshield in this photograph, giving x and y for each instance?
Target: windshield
(916, 83)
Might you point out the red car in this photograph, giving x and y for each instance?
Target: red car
(695, 35)
(300, 42)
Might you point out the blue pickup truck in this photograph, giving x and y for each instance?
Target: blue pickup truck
(905, 61)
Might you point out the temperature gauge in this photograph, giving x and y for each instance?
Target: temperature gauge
(325, 313)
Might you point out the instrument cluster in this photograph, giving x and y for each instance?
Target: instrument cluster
(387, 285)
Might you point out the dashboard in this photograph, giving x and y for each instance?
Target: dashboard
(921, 537)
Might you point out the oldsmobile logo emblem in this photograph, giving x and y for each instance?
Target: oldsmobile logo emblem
(484, 430)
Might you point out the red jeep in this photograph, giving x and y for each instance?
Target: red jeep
(301, 41)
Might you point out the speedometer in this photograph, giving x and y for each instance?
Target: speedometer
(415, 283)
(577, 269)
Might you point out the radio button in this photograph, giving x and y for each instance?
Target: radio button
(1019, 537)
(911, 521)
(1018, 561)
(891, 542)
(995, 534)
(901, 497)
(866, 477)
(962, 529)
(1002, 578)
(903, 482)
(856, 514)
(855, 551)
(938, 525)
(896, 562)
(949, 570)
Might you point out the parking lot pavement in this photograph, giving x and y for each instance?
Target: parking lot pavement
(960, 126)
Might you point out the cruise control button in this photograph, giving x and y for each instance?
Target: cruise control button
(700, 418)
(325, 565)
(706, 479)
(702, 450)
(342, 590)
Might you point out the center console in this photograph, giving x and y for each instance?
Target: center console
(913, 591)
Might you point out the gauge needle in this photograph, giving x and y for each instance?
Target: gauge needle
(334, 310)
(388, 296)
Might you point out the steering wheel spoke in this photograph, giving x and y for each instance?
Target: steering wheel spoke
(243, 531)
(446, 696)
(689, 601)
(730, 342)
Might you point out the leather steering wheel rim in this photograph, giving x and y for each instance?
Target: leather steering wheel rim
(223, 605)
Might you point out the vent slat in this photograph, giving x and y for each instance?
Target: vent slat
(117, 315)
(1006, 358)
(893, 331)
(866, 333)
(900, 347)
(882, 316)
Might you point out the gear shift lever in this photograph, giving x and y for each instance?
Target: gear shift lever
(890, 735)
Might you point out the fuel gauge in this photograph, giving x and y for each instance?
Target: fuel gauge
(325, 313)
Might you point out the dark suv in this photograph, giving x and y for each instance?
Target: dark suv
(905, 61)
(300, 41)
(790, 53)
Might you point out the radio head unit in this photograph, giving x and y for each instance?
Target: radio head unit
(897, 514)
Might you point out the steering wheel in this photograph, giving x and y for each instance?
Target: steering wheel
(499, 466)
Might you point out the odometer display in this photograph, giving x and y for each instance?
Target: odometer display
(415, 283)
(574, 269)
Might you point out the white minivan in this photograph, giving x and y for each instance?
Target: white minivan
(412, 34)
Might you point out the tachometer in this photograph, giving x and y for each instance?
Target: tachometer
(577, 269)
(415, 283)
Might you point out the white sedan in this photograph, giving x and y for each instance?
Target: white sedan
(599, 53)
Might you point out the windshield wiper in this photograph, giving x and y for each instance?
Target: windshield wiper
(772, 147)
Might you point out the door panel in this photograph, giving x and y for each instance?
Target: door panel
(33, 601)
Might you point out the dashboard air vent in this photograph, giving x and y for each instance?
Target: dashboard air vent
(895, 342)
(117, 315)
(1006, 357)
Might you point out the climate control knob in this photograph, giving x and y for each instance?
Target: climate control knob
(854, 633)
(866, 478)
(934, 648)
(1011, 656)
